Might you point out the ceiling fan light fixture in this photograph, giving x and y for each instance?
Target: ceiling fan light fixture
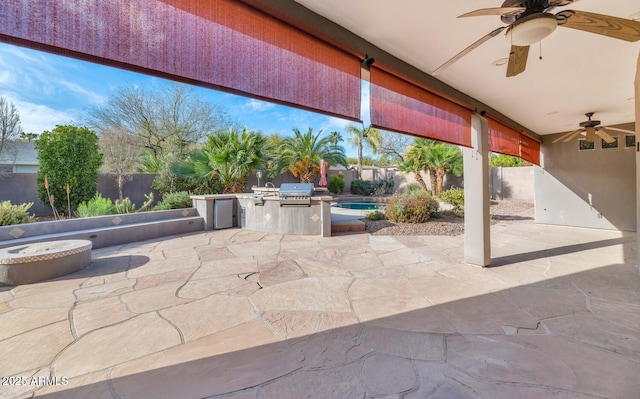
(531, 29)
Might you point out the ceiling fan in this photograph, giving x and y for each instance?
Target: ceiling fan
(591, 129)
(530, 21)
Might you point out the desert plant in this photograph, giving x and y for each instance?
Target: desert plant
(366, 187)
(383, 186)
(97, 206)
(181, 199)
(125, 206)
(336, 183)
(374, 215)
(412, 188)
(455, 197)
(411, 208)
(361, 187)
(147, 204)
(51, 198)
(15, 214)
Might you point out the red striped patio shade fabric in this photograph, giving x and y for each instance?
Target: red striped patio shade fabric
(403, 106)
(221, 44)
(504, 139)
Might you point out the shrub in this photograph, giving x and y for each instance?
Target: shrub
(69, 157)
(412, 188)
(125, 206)
(383, 186)
(366, 187)
(411, 208)
(15, 214)
(181, 199)
(361, 187)
(455, 197)
(336, 184)
(374, 215)
(97, 206)
(506, 161)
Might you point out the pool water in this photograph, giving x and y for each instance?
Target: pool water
(360, 205)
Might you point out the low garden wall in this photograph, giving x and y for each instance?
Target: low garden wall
(22, 187)
(105, 231)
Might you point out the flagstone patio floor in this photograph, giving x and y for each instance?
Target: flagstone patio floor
(244, 315)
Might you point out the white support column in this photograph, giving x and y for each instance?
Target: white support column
(477, 242)
(637, 101)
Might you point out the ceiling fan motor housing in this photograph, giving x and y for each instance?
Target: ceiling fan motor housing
(589, 123)
(532, 7)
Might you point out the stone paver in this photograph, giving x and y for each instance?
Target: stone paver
(237, 314)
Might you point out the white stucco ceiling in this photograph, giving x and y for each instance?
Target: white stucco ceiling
(580, 72)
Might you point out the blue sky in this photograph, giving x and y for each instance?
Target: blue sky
(49, 90)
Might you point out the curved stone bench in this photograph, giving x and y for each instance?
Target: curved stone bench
(31, 263)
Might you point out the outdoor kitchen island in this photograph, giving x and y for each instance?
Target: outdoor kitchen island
(294, 208)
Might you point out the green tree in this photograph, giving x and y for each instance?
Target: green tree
(360, 137)
(302, 153)
(506, 160)
(415, 160)
(69, 155)
(120, 155)
(335, 138)
(444, 158)
(229, 156)
(28, 136)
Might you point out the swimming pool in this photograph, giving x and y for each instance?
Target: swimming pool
(365, 206)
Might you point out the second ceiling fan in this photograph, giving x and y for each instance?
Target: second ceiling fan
(590, 129)
(530, 21)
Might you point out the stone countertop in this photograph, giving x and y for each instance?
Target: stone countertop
(275, 197)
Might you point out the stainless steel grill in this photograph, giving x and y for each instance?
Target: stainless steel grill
(296, 194)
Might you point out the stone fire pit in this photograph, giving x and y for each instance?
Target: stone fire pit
(31, 263)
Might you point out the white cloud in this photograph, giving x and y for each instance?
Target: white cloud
(5, 77)
(332, 123)
(81, 91)
(36, 118)
(259, 106)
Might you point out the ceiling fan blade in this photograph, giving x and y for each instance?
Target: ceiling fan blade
(466, 51)
(568, 137)
(517, 60)
(493, 11)
(615, 129)
(591, 134)
(604, 135)
(562, 3)
(606, 25)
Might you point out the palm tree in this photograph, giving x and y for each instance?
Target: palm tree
(366, 136)
(28, 136)
(335, 138)
(444, 158)
(230, 156)
(415, 160)
(302, 153)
